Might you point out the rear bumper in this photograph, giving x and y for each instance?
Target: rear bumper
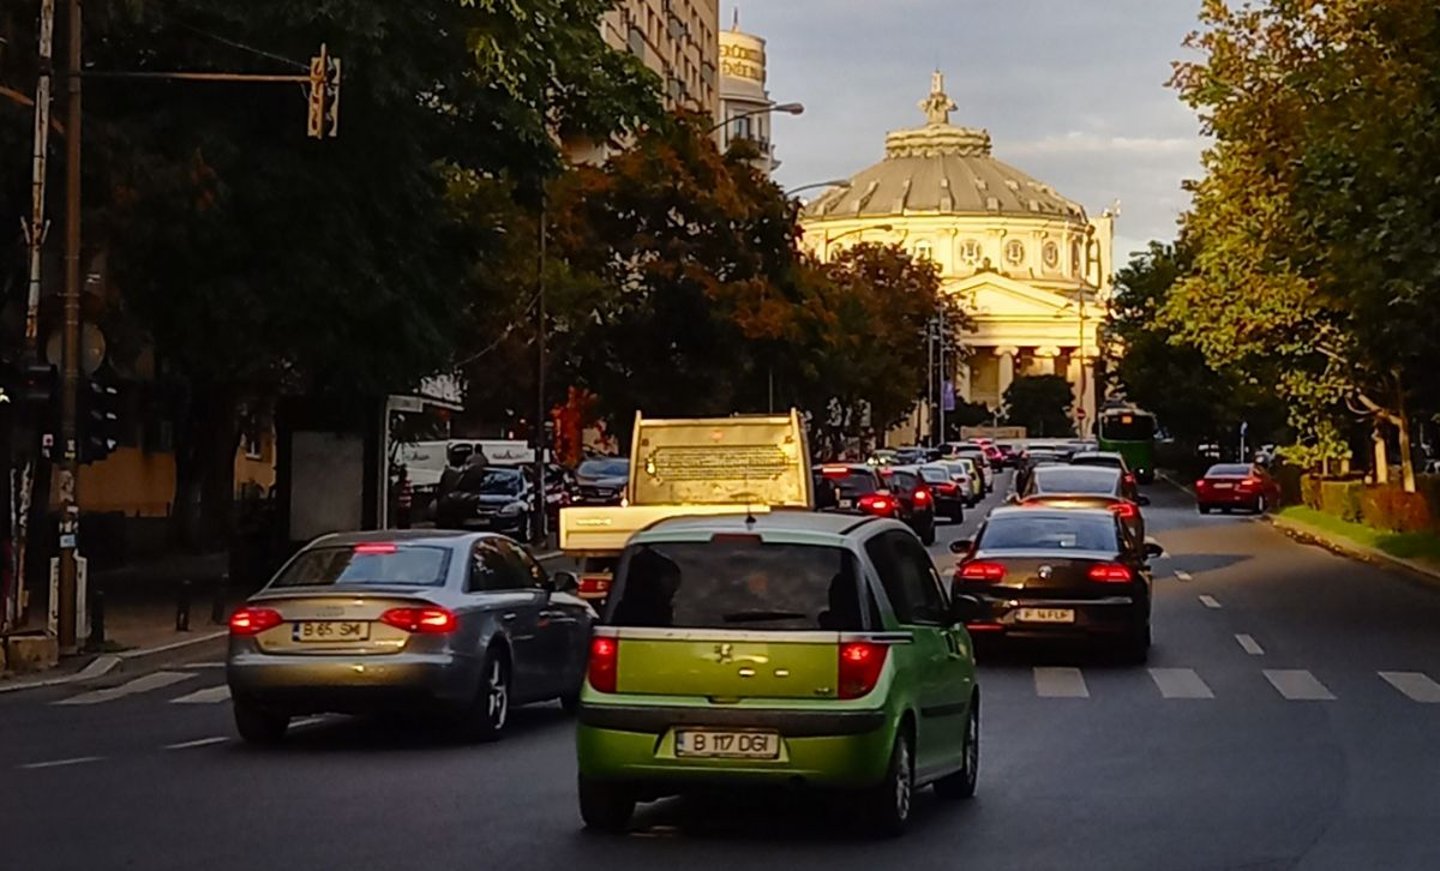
(636, 745)
(1113, 615)
(351, 684)
(1227, 499)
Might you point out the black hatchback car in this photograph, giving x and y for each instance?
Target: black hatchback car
(1046, 572)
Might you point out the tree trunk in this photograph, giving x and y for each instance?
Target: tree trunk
(1407, 458)
(1382, 460)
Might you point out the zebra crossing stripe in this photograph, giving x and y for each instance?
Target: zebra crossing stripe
(208, 696)
(1181, 683)
(1298, 684)
(1060, 683)
(142, 684)
(1419, 687)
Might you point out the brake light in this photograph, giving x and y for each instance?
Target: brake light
(429, 620)
(922, 497)
(835, 471)
(877, 504)
(594, 585)
(861, 663)
(253, 621)
(1125, 510)
(1111, 573)
(375, 547)
(1249, 483)
(1129, 478)
(946, 488)
(990, 573)
(1201, 484)
(604, 664)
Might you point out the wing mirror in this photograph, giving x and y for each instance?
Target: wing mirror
(965, 608)
(1142, 501)
(961, 546)
(1153, 550)
(565, 582)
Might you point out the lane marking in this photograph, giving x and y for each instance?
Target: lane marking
(1060, 683)
(1417, 685)
(207, 696)
(1250, 645)
(1298, 684)
(199, 742)
(1183, 577)
(306, 721)
(1209, 602)
(206, 665)
(60, 763)
(1180, 683)
(142, 684)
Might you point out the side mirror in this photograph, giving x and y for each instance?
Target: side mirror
(961, 546)
(565, 582)
(1153, 550)
(1142, 501)
(965, 608)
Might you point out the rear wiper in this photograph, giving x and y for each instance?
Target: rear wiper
(761, 616)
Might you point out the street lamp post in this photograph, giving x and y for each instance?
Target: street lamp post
(782, 108)
(830, 240)
(833, 183)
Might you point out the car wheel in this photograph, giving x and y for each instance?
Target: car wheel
(889, 803)
(605, 807)
(570, 702)
(1261, 505)
(258, 725)
(927, 533)
(961, 784)
(488, 714)
(1136, 650)
(1205, 509)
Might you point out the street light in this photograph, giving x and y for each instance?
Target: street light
(834, 183)
(783, 108)
(830, 240)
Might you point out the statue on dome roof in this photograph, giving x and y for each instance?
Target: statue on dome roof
(938, 106)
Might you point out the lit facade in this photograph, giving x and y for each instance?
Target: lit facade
(679, 40)
(743, 97)
(1029, 265)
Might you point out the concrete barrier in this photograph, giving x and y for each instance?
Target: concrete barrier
(27, 654)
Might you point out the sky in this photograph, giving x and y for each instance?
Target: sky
(1073, 92)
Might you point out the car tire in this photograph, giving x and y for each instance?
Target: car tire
(605, 807)
(570, 702)
(927, 533)
(1205, 509)
(1136, 647)
(487, 715)
(1262, 505)
(961, 785)
(259, 725)
(888, 804)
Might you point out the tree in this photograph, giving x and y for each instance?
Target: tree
(1041, 404)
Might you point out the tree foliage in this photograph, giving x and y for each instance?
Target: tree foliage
(1041, 404)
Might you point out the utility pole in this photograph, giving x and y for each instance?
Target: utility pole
(70, 344)
(944, 337)
(541, 412)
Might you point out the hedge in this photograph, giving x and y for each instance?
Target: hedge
(1385, 507)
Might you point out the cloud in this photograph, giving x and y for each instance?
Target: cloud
(1076, 142)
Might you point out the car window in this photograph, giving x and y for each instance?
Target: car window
(1061, 531)
(851, 484)
(491, 482)
(609, 467)
(903, 481)
(491, 568)
(527, 572)
(1069, 479)
(368, 563)
(738, 584)
(935, 475)
(906, 579)
(1228, 471)
(1109, 462)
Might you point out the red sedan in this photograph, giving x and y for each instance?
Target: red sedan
(1236, 485)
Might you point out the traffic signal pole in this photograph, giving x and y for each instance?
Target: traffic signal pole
(70, 349)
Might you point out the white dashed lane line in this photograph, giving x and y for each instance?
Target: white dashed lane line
(1180, 683)
(199, 742)
(207, 696)
(60, 763)
(1419, 687)
(1298, 684)
(1060, 683)
(1250, 645)
(1209, 602)
(143, 684)
(1183, 577)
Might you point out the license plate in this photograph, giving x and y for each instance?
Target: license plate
(331, 630)
(1045, 615)
(706, 743)
(1224, 486)
(847, 503)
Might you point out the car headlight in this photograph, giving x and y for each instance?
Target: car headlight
(513, 509)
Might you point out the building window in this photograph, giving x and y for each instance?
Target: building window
(970, 250)
(1015, 252)
(1051, 255)
(1076, 259)
(924, 251)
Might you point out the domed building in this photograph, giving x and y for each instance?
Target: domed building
(1028, 264)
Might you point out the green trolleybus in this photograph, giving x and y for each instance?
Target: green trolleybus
(1130, 433)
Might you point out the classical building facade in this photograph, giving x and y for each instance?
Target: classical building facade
(679, 40)
(743, 97)
(1029, 265)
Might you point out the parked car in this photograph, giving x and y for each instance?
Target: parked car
(1044, 572)
(494, 498)
(786, 649)
(466, 625)
(1227, 486)
(601, 481)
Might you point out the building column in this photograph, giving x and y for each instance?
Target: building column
(1084, 364)
(1046, 360)
(1007, 357)
(962, 382)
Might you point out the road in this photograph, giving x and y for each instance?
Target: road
(1288, 719)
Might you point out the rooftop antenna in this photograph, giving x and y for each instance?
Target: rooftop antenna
(735, 22)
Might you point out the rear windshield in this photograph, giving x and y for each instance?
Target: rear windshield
(1068, 479)
(1228, 472)
(902, 481)
(605, 468)
(1127, 427)
(407, 565)
(934, 475)
(1098, 460)
(851, 485)
(738, 585)
(1049, 532)
(490, 482)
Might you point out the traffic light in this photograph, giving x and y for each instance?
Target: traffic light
(98, 420)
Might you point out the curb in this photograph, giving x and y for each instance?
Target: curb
(1307, 534)
(106, 663)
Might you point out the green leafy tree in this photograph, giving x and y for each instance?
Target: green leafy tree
(1041, 404)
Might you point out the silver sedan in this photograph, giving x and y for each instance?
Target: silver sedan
(467, 624)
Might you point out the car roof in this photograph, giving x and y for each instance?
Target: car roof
(441, 537)
(785, 525)
(853, 467)
(1098, 455)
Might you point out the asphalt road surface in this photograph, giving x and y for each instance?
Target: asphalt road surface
(1289, 718)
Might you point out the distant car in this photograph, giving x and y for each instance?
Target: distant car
(467, 625)
(792, 649)
(1032, 459)
(911, 500)
(949, 498)
(1044, 572)
(493, 498)
(602, 481)
(1227, 486)
(1110, 460)
(1086, 487)
(914, 455)
(850, 488)
(983, 464)
(966, 472)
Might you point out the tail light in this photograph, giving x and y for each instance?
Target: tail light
(1249, 483)
(253, 621)
(946, 488)
(373, 548)
(430, 620)
(1111, 573)
(1201, 484)
(594, 585)
(861, 663)
(1129, 477)
(986, 572)
(922, 497)
(875, 503)
(604, 664)
(1125, 510)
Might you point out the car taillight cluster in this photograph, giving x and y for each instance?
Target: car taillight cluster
(1125, 510)
(422, 621)
(594, 585)
(876, 503)
(861, 664)
(985, 572)
(604, 669)
(922, 496)
(1249, 484)
(253, 621)
(1111, 573)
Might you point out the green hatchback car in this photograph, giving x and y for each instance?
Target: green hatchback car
(786, 649)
